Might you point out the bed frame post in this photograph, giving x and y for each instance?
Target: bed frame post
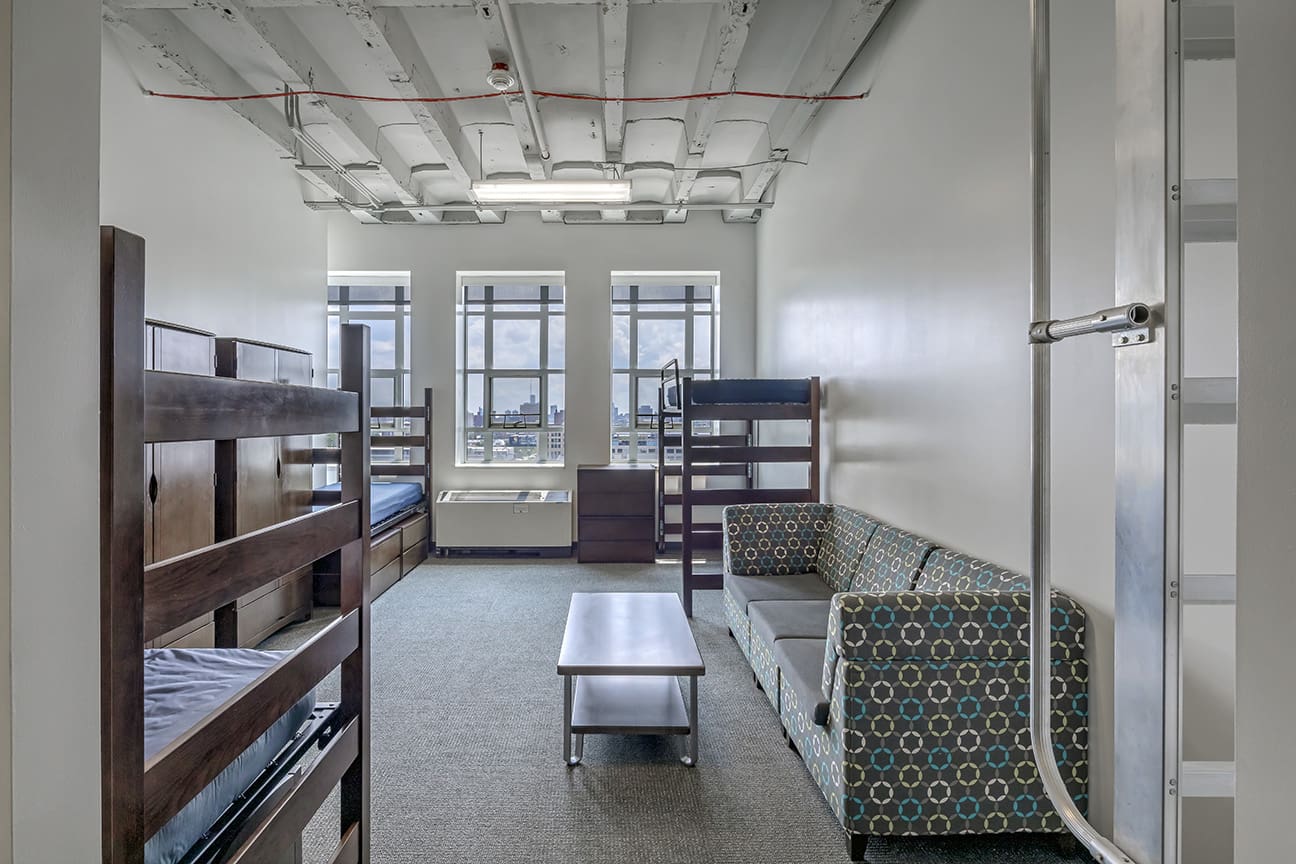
(121, 517)
(355, 584)
(686, 486)
(429, 496)
(815, 406)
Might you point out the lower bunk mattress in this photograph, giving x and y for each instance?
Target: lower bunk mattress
(181, 687)
(386, 499)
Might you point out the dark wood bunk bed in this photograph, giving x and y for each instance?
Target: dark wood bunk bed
(670, 472)
(748, 401)
(400, 509)
(204, 748)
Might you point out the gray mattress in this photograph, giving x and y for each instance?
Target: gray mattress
(181, 686)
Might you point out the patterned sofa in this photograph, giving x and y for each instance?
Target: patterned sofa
(899, 671)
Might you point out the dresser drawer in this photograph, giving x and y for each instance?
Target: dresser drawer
(616, 551)
(616, 528)
(626, 503)
(384, 579)
(411, 558)
(614, 479)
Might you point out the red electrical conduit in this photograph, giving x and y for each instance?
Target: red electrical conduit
(358, 97)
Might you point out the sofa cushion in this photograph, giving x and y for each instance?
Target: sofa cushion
(848, 535)
(773, 538)
(800, 662)
(795, 586)
(891, 562)
(954, 571)
(789, 619)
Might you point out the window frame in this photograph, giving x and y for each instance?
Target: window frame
(490, 309)
(640, 309)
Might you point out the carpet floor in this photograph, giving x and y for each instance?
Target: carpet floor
(467, 742)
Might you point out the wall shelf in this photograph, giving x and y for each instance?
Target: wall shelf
(1207, 28)
(1209, 401)
(1209, 589)
(1210, 211)
(1208, 779)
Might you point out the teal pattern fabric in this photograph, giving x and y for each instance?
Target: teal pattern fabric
(848, 535)
(891, 562)
(946, 570)
(773, 539)
(739, 623)
(766, 669)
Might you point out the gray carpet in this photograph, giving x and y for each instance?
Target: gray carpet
(467, 742)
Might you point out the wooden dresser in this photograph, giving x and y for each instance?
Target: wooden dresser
(615, 513)
(180, 503)
(271, 480)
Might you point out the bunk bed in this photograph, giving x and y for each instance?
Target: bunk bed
(670, 426)
(202, 749)
(720, 403)
(399, 509)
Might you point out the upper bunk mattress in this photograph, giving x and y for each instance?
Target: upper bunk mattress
(182, 686)
(751, 391)
(386, 499)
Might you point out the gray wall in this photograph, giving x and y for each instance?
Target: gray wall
(6, 203)
(1266, 688)
(588, 255)
(54, 364)
(896, 266)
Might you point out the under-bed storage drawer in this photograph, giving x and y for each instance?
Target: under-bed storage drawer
(414, 532)
(385, 549)
(411, 558)
(198, 633)
(384, 579)
(265, 615)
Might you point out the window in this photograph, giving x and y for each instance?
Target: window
(381, 300)
(656, 318)
(511, 356)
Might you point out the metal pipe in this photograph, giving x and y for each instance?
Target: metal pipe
(1041, 667)
(1132, 316)
(292, 112)
(524, 78)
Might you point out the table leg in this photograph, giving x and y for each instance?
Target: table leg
(569, 683)
(691, 758)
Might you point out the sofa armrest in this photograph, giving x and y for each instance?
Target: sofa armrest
(773, 539)
(956, 625)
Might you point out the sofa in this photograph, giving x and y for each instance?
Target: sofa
(900, 673)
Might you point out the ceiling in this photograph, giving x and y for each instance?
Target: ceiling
(413, 161)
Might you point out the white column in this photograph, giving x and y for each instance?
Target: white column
(1266, 593)
(53, 436)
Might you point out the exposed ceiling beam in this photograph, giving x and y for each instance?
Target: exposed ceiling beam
(275, 42)
(844, 30)
(394, 51)
(156, 42)
(491, 18)
(716, 71)
(614, 25)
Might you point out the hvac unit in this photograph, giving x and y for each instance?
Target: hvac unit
(534, 520)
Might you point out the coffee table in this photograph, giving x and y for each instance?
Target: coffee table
(621, 656)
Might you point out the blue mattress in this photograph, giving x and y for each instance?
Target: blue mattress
(749, 391)
(386, 499)
(181, 686)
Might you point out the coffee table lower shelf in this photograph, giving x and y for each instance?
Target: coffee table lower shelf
(628, 705)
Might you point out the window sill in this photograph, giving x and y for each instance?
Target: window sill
(502, 465)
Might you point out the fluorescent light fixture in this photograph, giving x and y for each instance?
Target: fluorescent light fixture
(552, 191)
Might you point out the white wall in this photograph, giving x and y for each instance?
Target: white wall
(6, 202)
(897, 267)
(588, 254)
(54, 435)
(1266, 418)
(230, 248)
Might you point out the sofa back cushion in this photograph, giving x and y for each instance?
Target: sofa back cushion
(891, 562)
(848, 536)
(773, 539)
(946, 570)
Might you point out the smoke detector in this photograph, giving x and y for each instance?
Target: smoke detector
(500, 78)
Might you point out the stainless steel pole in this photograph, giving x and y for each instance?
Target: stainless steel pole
(1104, 850)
